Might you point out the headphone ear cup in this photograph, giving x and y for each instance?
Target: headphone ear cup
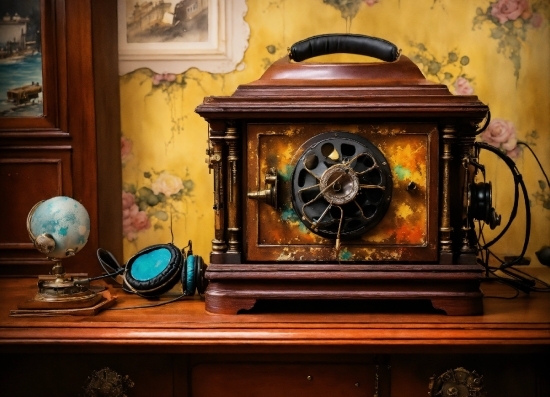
(481, 204)
(153, 270)
(200, 280)
(188, 282)
(494, 219)
(193, 279)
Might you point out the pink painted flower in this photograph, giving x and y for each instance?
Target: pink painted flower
(125, 149)
(498, 132)
(133, 220)
(163, 78)
(463, 86)
(370, 3)
(536, 20)
(128, 199)
(167, 184)
(128, 230)
(510, 10)
(141, 221)
(501, 134)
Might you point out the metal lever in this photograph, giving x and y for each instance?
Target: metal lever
(212, 158)
(269, 194)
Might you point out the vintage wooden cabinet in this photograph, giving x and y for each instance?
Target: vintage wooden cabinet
(342, 181)
(180, 350)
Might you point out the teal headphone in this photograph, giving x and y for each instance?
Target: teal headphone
(156, 269)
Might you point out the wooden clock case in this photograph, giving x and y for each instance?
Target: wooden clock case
(260, 144)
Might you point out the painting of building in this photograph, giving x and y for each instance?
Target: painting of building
(158, 21)
(188, 9)
(145, 16)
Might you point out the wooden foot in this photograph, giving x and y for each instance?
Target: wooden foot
(219, 304)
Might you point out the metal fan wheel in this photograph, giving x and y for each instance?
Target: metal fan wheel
(341, 185)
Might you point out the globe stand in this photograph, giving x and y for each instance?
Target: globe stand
(59, 228)
(60, 290)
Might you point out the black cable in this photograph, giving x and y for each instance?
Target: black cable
(520, 282)
(518, 180)
(120, 271)
(527, 226)
(147, 306)
(537, 160)
(516, 294)
(523, 281)
(532, 279)
(487, 122)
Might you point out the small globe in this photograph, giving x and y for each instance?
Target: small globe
(59, 226)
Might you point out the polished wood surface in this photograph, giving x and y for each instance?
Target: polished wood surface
(324, 348)
(507, 325)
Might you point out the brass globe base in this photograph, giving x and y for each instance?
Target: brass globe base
(70, 297)
(62, 293)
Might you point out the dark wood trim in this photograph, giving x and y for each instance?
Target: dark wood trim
(108, 129)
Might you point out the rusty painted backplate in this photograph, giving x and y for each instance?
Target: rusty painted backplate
(408, 229)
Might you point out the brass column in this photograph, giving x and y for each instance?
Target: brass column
(234, 187)
(215, 163)
(445, 229)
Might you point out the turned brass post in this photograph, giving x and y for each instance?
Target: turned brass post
(445, 229)
(234, 187)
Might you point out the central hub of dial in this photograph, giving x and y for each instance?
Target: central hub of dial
(339, 184)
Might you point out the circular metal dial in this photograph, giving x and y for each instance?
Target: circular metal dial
(341, 185)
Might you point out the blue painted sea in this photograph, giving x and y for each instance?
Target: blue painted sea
(16, 72)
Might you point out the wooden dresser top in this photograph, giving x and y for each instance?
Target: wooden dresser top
(521, 324)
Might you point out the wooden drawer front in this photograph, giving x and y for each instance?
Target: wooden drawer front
(276, 380)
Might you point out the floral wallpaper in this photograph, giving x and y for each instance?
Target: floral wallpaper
(498, 50)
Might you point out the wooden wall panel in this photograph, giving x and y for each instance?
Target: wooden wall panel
(27, 176)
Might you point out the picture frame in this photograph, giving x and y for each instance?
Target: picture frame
(216, 44)
(53, 76)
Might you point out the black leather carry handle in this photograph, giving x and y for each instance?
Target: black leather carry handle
(344, 44)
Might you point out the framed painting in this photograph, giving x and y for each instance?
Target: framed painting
(21, 84)
(31, 67)
(173, 36)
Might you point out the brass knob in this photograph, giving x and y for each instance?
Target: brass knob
(269, 194)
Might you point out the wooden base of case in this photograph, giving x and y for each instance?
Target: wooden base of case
(451, 288)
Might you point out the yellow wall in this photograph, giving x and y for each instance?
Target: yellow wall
(506, 64)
